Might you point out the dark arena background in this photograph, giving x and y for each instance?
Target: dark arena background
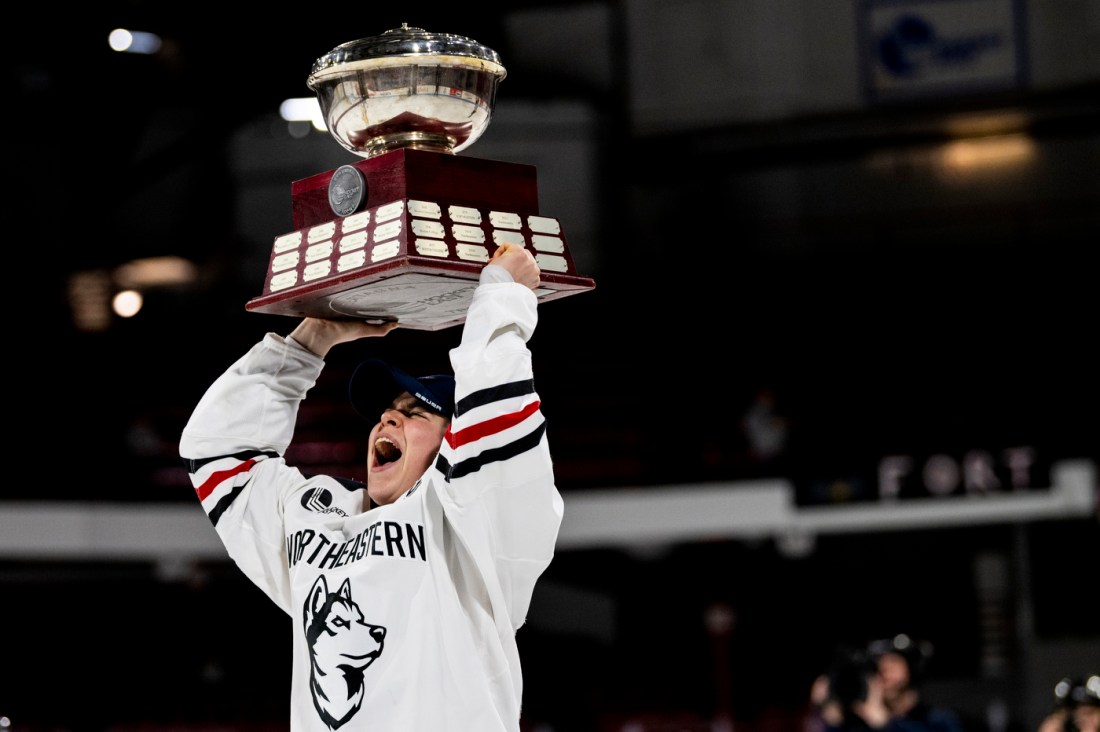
(836, 381)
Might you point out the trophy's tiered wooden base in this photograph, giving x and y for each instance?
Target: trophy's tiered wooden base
(414, 249)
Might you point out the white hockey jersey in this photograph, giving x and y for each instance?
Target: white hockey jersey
(404, 615)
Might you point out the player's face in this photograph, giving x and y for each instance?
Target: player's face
(402, 446)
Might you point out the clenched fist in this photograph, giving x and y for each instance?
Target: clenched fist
(519, 262)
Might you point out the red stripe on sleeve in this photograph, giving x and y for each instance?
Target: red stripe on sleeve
(490, 427)
(216, 479)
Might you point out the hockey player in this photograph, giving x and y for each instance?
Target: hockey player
(406, 592)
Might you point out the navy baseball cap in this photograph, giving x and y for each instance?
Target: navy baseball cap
(374, 385)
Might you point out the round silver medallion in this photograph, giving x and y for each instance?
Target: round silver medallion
(346, 190)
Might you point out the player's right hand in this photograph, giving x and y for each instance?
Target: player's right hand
(519, 262)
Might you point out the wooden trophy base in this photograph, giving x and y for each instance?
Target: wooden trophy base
(413, 249)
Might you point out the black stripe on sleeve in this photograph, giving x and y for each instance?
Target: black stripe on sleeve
(494, 394)
(443, 466)
(224, 504)
(192, 465)
(494, 455)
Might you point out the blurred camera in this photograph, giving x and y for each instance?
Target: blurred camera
(1078, 699)
(848, 676)
(1071, 692)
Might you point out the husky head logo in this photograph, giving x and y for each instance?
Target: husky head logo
(341, 646)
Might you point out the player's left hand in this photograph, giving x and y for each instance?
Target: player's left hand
(319, 335)
(519, 262)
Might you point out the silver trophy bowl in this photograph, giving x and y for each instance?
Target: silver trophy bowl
(407, 88)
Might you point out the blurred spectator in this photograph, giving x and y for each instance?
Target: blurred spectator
(902, 663)
(878, 688)
(1076, 706)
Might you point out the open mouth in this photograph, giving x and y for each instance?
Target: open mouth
(385, 451)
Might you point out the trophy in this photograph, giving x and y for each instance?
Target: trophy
(403, 232)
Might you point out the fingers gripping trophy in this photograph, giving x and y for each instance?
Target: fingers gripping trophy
(402, 232)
